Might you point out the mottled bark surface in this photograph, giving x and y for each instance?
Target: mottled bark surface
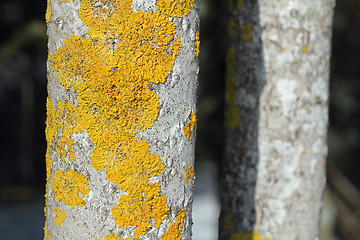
(121, 118)
(277, 116)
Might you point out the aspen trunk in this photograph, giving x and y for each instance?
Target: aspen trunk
(121, 118)
(276, 119)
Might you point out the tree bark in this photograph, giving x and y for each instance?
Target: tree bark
(121, 118)
(276, 118)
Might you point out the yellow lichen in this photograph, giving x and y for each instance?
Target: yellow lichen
(64, 148)
(175, 229)
(59, 215)
(48, 165)
(48, 11)
(304, 48)
(246, 32)
(230, 77)
(232, 27)
(232, 117)
(60, 125)
(113, 237)
(70, 187)
(232, 114)
(240, 4)
(46, 232)
(247, 236)
(174, 8)
(110, 72)
(228, 221)
(197, 43)
(190, 128)
(232, 4)
(189, 174)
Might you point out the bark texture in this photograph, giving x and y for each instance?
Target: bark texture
(121, 118)
(276, 118)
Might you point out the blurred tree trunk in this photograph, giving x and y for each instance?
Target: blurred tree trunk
(121, 117)
(276, 118)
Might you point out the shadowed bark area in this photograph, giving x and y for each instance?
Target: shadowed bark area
(245, 79)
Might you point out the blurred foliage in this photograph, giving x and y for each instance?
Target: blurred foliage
(210, 134)
(344, 131)
(22, 91)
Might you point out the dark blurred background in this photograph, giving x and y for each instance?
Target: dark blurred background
(23, 53)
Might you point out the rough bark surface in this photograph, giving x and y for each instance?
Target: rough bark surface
(121, 118)
(276, 118)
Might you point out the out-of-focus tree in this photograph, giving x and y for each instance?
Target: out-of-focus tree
(276, 118)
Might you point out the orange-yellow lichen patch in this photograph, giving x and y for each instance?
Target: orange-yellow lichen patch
(232, 117)
(48, 165)
(104, 17)
(48, 11)
(246, 236)
(189, 174)
(74, 63)
(175, 47)
(232, 27)
(64, 148)
(70, 187)
(126, 164)
(59, 215)
(302, 153)
(60, 125)
(232, 114)
(190, 128)
(51, 130)
(174, 8)
(113, 237)
(63, 121)
(246, 32)
(230, 77)
(175, 229)
(304, 48)
(240, 4)
(197, 43)
(46, 232)
(233, 4)
(228, 221)
(143, 204)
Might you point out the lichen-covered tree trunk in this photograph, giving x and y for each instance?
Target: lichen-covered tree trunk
(121, 118)
(276, 118)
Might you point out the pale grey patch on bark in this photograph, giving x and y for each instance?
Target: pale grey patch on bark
(65, 21)
(58, 92)
(144, 5)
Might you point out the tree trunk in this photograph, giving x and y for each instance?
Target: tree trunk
(121, 117)
(276, 118)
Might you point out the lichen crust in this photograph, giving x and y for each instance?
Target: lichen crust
(190, 128)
